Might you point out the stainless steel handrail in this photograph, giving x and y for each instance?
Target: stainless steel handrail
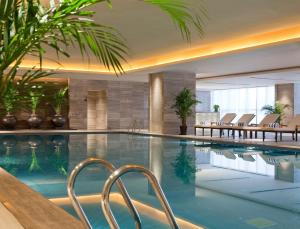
(156, 186)
(121, 187)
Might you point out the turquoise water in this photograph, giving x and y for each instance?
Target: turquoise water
(209, 184)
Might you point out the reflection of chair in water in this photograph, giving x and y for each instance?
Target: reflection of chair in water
(246, 157)
(275, 160)
(227, 154)
(136, 125)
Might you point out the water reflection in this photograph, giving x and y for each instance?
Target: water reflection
(9, 142)
(280, 165)
(34, 142)
(184, 164)
(34, 154)
(58, 160)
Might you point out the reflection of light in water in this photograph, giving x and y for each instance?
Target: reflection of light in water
(143, 208)
(97, 145)
(156, 151)
(228, 160)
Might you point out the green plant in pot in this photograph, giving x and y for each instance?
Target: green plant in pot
(10, 100)
(184, 103)
(59, 99)
(278, 108)
(216, 108)
(35, 97)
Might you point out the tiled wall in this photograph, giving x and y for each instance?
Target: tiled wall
(296, 99)
(126, 101)
(285, 95)
(172, 84)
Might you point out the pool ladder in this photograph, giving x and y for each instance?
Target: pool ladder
(115, 177)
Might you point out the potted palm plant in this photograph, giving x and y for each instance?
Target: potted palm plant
(10, 99)
(35, 97)
(278, 108)
(216, 108)
(59, 99)
(184, 102)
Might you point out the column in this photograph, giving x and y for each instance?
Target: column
(164, 87)
(285, 94)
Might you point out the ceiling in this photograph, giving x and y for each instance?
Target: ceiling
(251, 80)
(153, 38)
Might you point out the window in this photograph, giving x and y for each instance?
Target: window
(244, 100)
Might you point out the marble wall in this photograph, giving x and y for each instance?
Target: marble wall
(125, 102)
(285, 95)
(170, 84)
(296, 99)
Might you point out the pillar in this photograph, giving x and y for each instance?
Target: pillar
(285, 94)
(164, 87)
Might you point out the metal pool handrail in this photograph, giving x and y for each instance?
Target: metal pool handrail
(121, 187)
(156, 186)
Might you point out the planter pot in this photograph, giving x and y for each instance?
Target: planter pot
(183, 130)
(9, 141)
(34, 141)
(58, 121)
(9, 121)
(34, 121)
(58, 140)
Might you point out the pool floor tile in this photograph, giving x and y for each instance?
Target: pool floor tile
(260, 222)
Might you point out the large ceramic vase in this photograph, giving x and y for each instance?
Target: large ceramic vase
(183, 130)
(58, 121)
(9, 121)
(34, 121)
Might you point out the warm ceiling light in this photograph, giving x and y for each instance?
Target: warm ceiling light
(216, 48)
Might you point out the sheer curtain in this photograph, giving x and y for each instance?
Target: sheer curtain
(244, 100)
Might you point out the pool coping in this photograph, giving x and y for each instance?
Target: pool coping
(30, 208)
(272, 144)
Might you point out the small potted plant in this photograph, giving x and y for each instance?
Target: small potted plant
(59, 99)
(184, 102)
(278, 108)
(10, 99)
(35, 97)
(216, 108)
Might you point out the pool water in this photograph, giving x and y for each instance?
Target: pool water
(209, 184)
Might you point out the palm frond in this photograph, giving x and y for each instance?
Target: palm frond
(181, 15)
(30, 28)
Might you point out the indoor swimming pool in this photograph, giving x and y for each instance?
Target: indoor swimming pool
(208, 184)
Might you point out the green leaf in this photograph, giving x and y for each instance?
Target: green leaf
(30, 28)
